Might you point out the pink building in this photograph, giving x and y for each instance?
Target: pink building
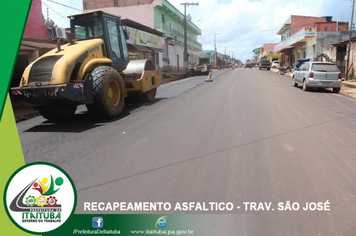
(34, 43)
(138, 11)
(267, 52)
(34, 26)
(321, 23)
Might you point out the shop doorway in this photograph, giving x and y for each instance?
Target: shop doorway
(340, 62)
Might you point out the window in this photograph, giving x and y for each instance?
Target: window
(87, 27)
(124, 45)
(307, 66)
(303, 67)
(80, 32)
(163, 19)
(114, 38)
(325, 67)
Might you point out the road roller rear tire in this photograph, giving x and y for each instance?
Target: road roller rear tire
(109, 93)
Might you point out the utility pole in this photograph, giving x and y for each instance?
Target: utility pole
(216, 58)
(47, 18)
(348, 53)
(185, 60)
(337, 18)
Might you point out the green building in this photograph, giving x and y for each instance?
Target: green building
(159, 15)
(170, 21)
(257, 54)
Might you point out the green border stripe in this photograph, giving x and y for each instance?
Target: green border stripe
(13, 21)
(11, 159)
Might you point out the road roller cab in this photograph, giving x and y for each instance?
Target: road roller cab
(89, 69)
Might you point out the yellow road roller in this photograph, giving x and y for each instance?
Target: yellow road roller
(93, 68)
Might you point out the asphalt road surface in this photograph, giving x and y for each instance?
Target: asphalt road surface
(247, 137)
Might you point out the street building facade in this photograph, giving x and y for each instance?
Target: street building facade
(144, 42)
(299, 36)
(161, 16)
(267, 52)
(336, 45)
(225, 60)
(208, 57)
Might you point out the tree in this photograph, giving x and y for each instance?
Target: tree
(50, 22)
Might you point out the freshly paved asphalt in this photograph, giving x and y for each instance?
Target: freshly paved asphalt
(248, 136)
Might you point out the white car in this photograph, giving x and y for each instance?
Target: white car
(275, 64)
(318, 75)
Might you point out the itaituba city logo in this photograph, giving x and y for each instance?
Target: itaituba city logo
(46, 190)
(39, 197)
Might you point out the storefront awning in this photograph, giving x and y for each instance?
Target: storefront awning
(157, 50)
(281, 47)
(146, 49)
(141, 48)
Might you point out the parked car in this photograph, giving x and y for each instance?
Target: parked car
(264, 64)
(318, 75)
(275, 64)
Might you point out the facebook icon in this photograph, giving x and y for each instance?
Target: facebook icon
(98, 222)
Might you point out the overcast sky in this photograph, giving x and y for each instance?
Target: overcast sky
(243, 24)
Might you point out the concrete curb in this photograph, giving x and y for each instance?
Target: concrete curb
(350, 84)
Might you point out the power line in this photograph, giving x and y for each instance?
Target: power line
(278, 18)
(65, 5)
(79, 5)
(56, 12)
(326, 6)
